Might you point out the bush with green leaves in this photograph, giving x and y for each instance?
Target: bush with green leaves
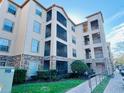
(53, 75)
(19, 76)
(79, 67)
(47, 75)
(43, 75)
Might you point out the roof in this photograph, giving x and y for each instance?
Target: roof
(54, 5)
(26, 1)
(47, 9)
(96, 14)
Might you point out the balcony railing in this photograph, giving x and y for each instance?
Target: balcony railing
(98, 55)
(95, 41)
(97, 60)
(87, 42)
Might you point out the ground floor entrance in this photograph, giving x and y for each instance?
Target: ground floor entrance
(32, 68)
(97, 67)
(100, 67)
(61, 66)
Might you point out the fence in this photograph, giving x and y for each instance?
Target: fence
(94, 80)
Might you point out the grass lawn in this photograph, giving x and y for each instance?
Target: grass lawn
(50, 87)
(101, 87)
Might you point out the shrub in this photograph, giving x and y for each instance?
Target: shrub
(19, 76)
(43, 75)
(73, 75)
(53, 75)
(34, 78)
(47, 75)
(79, 67)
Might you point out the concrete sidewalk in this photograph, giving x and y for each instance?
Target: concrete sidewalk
(116, 84)
(84, 87)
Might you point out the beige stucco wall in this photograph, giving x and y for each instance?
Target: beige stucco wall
(21, 38)
(8, 35)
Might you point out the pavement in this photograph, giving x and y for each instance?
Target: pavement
(85, 86)
(116, 84)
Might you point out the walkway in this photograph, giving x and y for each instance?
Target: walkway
(116, 84)
(84, 87)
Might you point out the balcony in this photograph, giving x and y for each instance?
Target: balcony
(96, 38)
(86, 40)
(98, 52)
(85, 27)
(88, 53)
(94, 25)
(97, 60)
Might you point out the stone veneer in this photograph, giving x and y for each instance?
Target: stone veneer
(20, 61)
(23, 60)
(53, 60)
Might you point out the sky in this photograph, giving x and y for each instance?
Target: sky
(77, 10)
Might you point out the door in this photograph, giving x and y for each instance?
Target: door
(33, 68)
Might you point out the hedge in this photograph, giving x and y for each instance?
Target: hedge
(19, 76)
(47, 75)
(43, 75)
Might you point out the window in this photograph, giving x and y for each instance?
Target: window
(4, 45)
(48, 30)
(85, 27)
(61, 67)
(61, 19)
(12, 9)
(35, 46)
(88, 53)
(49, 15)
(98, 52)
(47, 48)
(74, 53)
(37, 27)
(96, 38)
(61, 33)
(86, 40)
(2, 63)
(38, 12)
(73, 29)
(46, 64)
(73, 40)
(8, 25)
(61, 49)
(94, 25)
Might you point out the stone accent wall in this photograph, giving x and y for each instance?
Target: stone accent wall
(23, 60)
(53, 60)
(28, 58)
(20, 61)
(7, 59)
(16, 61)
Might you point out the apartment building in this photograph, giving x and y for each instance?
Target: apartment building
(35, 38)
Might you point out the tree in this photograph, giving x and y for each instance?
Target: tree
(79, 67)
(119, 48)
(120, 60)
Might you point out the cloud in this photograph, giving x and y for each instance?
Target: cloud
(115, 16)
(77, 18)
(116, 36)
